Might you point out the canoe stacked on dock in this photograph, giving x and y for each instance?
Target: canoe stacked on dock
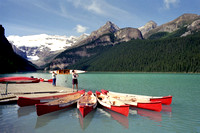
(19, 80)
(87, 103)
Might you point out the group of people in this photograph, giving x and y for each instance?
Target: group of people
(74, 79)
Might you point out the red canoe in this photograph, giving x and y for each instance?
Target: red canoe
(19, 80)
(112, 104)
(26, 101)
(135, 101)
(87, 103)
(59, 104)
(46, 80)
(167, 100)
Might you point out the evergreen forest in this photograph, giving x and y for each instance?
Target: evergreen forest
(166, 54)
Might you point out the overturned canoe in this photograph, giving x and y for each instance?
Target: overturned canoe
(167, 100)
(59, 104)
(19, 80)
(112, 104)
(87, 103)
(136, 101)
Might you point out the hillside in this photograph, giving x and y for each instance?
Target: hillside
(10, 61)
(159, 55)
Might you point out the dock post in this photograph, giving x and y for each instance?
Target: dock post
(6, 88)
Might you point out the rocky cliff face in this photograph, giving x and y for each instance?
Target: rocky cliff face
(126, 34)
(194, 27)
(183, 20)
(108, 34)
(109, 27)
(147, 27)
(19, 52)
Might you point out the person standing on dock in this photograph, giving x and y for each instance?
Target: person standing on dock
(74, 80)
(54, 78)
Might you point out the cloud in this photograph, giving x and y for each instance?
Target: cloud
(80, 28)
(96, 7)
(93, 6)
(168, 3)
(102, 8)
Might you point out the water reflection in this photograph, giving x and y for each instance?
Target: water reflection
(23, 111)
(166, 108)
(85, 122)
(153, 115)
(45, 119)
(121, 119)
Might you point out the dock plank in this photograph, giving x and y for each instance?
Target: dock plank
(30, 90)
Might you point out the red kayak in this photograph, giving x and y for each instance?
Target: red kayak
(59, 104)
(167, 100)
(112, 104)
(19, 80)
(136, 101)
(87, 103)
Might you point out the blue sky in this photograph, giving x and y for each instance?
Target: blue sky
(75, 17)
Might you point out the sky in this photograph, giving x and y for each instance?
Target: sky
(75, 17)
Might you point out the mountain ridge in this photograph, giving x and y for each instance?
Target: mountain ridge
(182, 21)
(108, 34)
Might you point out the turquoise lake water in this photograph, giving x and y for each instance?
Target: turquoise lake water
(183, 115)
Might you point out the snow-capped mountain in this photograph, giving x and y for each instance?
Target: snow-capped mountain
(40, 47)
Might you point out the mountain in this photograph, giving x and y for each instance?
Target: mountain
(147, 27)
(181, 23)
(98, 41)
(174, 48)
(40, 49)
(10, 61)
(103, 33)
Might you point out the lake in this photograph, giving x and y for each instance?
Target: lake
(181, 116)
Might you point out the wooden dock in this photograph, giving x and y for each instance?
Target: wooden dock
(29, 90)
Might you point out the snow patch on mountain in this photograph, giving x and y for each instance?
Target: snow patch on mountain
(33, 57)
(54, 43)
